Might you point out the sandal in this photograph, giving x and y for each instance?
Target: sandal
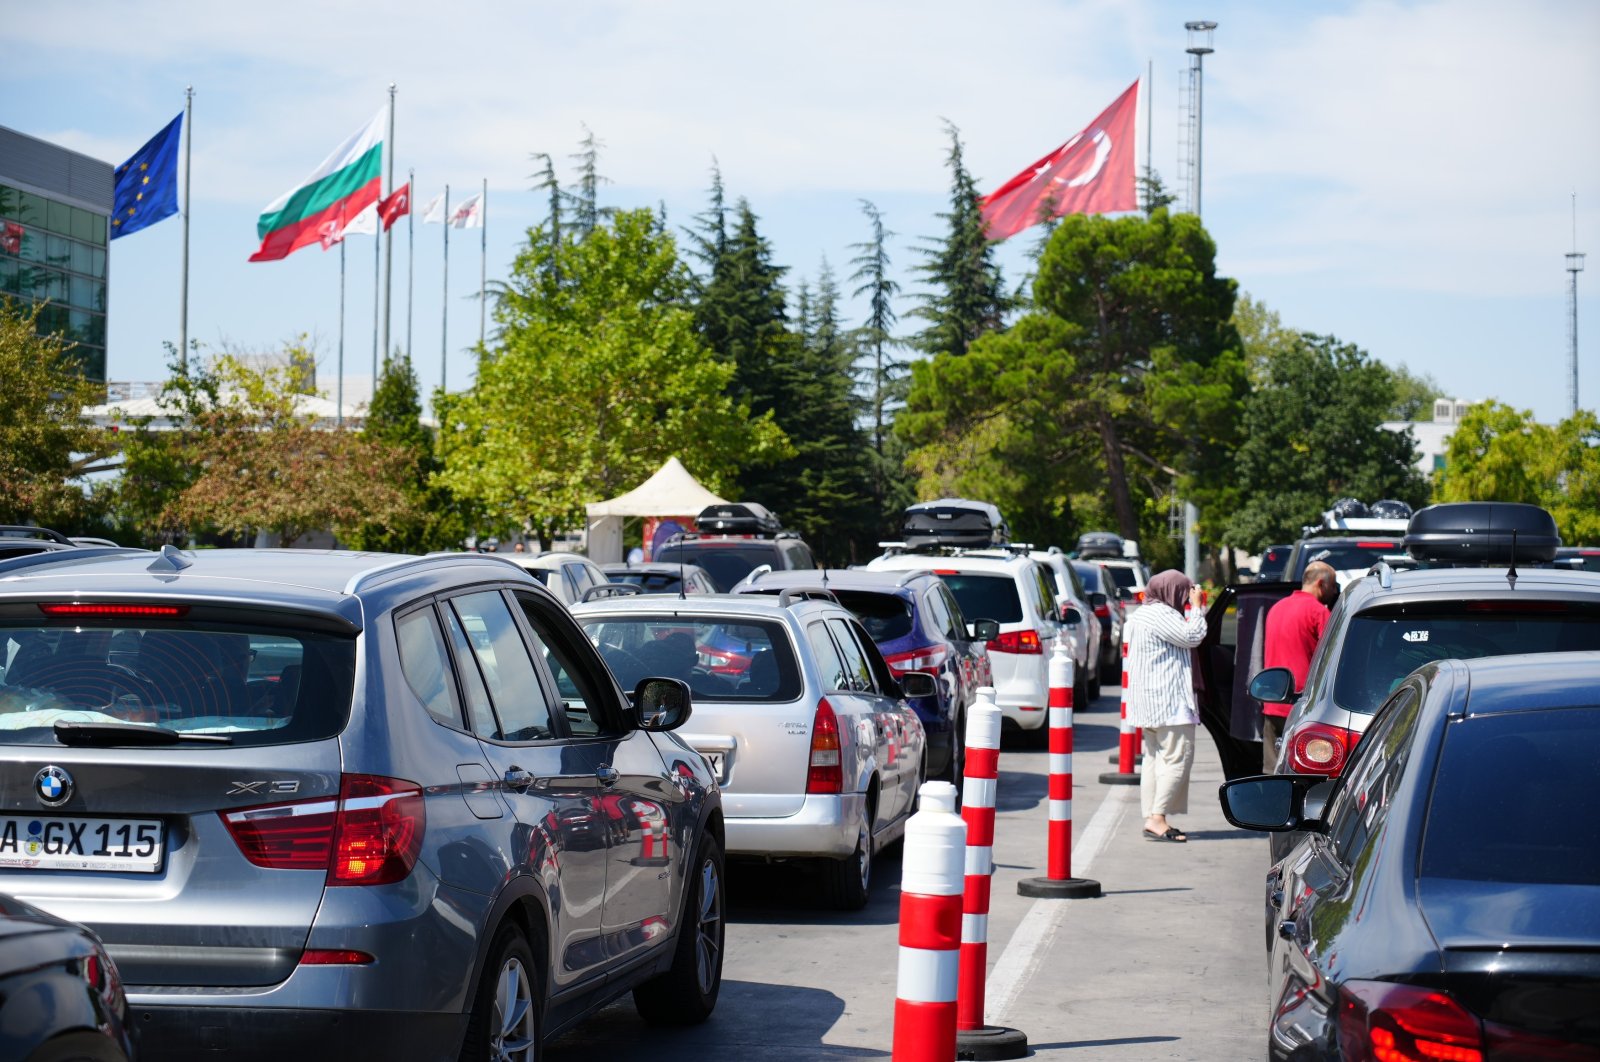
(1173, 834)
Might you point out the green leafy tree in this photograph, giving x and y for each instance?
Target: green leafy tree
(1498, 453)
(435, 520)
(1312, 435)
(46, 447)
(1413, 395)
(1263, 335)
(595, 381)
(967, 293)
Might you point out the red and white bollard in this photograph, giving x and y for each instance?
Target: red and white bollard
(931, 885)
(975, 1039)
(1127, 738)
(1059, 881)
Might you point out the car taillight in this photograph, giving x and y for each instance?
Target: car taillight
(928, 658)
(826, 772)
(1320, 748)
(1383, 1022)
(74, 608)
(1138, 597)
(1017, 642)
(1103, 611)
(370, 835)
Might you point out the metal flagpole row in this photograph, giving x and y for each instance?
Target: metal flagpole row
(377, 293)
(411, 250)
(183, 299)
(340, 414)
(444, 313)
(388, 240)
(483, 261)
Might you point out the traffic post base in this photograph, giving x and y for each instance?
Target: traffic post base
(1059, 889)
(991, 1042)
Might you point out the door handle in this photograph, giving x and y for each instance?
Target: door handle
(516, 778)
(607, 775)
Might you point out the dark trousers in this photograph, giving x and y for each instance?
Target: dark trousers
(1271, 731)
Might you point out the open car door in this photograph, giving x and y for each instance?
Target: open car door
(1227, 660)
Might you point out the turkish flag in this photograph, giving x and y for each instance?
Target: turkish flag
(1093, 173)
(397, 206)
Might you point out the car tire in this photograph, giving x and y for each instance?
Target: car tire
(1096, 687)
(687, 993)
(847, 882)
(956, 768)
(507, 1020)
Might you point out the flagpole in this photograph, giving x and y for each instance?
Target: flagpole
(1149, 120)
(444, 312)
(377, 292)
(340, 414)
(411, 250)
(388, 239)
(483, 261)
(183, 298)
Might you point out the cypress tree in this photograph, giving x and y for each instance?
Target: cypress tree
(968, 294)
(883, 374)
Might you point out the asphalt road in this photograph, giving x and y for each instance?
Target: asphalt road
(1168, 964)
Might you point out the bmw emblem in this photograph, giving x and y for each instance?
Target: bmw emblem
(53, 786)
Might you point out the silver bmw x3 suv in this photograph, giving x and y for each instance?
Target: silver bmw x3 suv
(354, 805)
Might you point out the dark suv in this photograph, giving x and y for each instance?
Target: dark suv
(731, 541)
(917, 625)
(323, 804)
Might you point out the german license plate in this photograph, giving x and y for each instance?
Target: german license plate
(716, 760)
(60, 842)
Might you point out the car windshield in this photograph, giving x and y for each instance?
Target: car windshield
(726, 564)
(1345, 556)
(885, 616)
(1090, 576)
(1273, 562)
(720, 659)
(1125, 578)
(1383, 646)
(1513, 830)
(648, 582)
(986, 596)
(259, 686)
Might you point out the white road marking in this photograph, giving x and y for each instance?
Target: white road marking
(1028, 944)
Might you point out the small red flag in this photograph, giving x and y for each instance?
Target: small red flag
(1093, 173)
(11, 238)
(397, 206)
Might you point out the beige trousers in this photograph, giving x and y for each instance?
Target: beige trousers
(1164, 779)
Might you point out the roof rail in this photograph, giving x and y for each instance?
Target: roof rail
(362, 579)
(52, 556)
(30, 531)
(790, 594)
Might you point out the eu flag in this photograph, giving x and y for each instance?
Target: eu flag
(147, 184)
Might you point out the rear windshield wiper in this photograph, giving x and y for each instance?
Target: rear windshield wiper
(112, 734)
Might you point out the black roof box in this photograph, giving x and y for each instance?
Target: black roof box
(953, 522)
(737, 518)
(1100, 544)
(1481, 533)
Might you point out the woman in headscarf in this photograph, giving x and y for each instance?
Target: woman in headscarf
(1161, 699)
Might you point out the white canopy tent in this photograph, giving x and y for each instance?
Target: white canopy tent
(671, 491)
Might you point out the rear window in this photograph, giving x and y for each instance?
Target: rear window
(648, 582)
(1090, 578)
(1383, 646)
(725, 564)
(720, 659)
(885, 617)
(986, 596)
(1124, 577)
(1345, 556)
(259, 686)
(1501, 803)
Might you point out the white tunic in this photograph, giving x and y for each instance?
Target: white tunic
(1160, 676)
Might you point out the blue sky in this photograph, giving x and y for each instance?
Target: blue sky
(1397, 174)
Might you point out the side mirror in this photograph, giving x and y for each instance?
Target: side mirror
(918, 684)
(661, 704)
(985, 630)
(1071, 616)
(1275, 685)
(1274, 803)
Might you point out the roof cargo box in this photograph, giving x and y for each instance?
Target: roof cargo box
(737, 518)
(953, 522)
(1100, 544)
(1482, 533)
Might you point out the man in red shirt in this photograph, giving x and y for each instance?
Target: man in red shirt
(1294, 627)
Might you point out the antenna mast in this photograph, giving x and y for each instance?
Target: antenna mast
(1574, 267)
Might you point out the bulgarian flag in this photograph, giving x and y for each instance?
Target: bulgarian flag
(347, 182)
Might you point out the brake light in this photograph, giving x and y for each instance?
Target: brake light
(334, 957)
(73, 608)
(1517, 606)
(1382, 1022)
(370, 835)
(945, 571)
(1320, 748)
(826, 772)
(1103, 611)
(1377, 545)
(1026, 642)
(1138, 597)
(928, 658)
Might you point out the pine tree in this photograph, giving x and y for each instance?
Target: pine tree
(585, 202)
(547, 182)
(968, 296)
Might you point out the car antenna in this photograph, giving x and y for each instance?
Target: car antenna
(683, 593)
(824, 576)
(1511, 572)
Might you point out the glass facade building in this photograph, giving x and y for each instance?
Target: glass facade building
(55, 206)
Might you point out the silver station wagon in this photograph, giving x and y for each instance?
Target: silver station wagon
(817, 752)
(327, 805)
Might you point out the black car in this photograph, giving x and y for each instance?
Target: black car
(60, 995)
(1274, 563)
(731, 541)
(1444, 902)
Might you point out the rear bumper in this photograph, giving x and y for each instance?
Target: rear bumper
(180, 1034)
(824, 826)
